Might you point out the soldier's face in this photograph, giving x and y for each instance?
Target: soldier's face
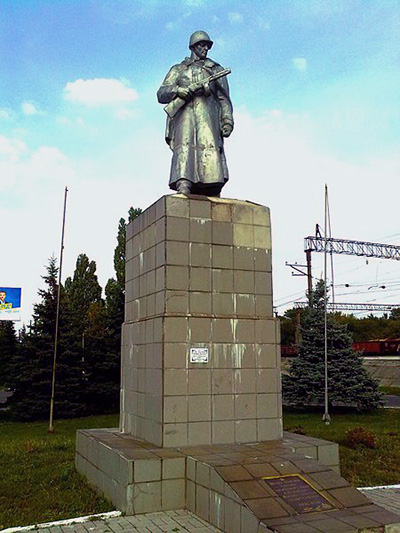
(201, 49)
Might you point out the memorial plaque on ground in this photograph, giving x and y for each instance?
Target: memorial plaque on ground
(299, 493)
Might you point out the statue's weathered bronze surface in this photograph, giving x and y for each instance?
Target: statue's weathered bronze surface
(199, 113)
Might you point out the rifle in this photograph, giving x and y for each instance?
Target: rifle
(177, 103)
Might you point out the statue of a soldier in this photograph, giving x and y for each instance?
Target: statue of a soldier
(199, 113)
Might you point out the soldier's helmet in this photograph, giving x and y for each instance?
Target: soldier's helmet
(199, 36)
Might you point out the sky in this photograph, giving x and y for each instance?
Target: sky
(316, 92)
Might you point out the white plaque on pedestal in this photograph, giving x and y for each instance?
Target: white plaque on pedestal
(199, 355)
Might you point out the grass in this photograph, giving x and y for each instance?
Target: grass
(38, 480)
(394, 391)
(361, 466)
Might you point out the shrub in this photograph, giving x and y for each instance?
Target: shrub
(299, 430)
(360, 436)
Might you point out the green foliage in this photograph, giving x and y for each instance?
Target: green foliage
(82, 291)
(119, 253)
(101, 363)
(115, 302)
(360, 436)
(371, 327)
(8, 350)
(30, 374)
(348, 381)
(115, 288)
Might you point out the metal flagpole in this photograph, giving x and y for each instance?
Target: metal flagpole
(51, 427)
(326, 418)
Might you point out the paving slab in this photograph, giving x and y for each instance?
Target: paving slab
(387, 497)
(180, 521)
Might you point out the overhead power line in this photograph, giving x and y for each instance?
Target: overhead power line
(351, 306)
(349, 247)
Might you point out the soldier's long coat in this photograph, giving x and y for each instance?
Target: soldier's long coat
(194, 134)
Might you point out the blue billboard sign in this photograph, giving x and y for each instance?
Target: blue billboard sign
(10, 303)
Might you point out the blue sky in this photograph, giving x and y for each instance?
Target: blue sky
(315, 87)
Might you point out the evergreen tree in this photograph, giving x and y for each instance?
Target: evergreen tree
(349, 383)
(8, 350)
(32, 374)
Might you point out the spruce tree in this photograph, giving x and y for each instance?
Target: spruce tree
(8, 350)
(32, 377)
(32, 382)
(349, 383)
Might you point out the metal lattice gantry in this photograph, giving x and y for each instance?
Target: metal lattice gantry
(349, 247)
(351, 306)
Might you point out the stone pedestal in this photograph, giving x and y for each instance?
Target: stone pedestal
(206, 433)
(198, 276)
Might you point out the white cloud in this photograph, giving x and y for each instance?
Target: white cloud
(275, 160)
(220, 42)
(235, 18)
(11, 149)
(263, 24)
(126, 114)
(31, 194)
(300, 63)
(276, 113)
(29, 108)
(21, 167)
(194, 3)
(5, 114)
(100, 91)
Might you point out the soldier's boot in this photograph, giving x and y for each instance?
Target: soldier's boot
(183, 186)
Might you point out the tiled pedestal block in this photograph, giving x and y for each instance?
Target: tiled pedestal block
(198, 275)
(224, 484)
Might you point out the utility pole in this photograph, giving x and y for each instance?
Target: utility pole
(326, 418)
(309, 275)
(297, 336)
(53, 382)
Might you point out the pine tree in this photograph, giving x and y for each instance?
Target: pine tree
(349, 383)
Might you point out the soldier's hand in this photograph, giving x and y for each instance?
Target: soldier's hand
(183, 92)
(226, 130)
